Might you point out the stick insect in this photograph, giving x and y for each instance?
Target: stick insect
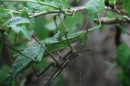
(22, 62)
(64, 61)
(35, 51)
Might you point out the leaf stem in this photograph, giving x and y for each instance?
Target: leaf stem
(18, 1)
(39, 2)
(18, 12)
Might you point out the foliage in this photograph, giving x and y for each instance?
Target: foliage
(112, 1)
(123, 59)
(35, 51)
(3, 72)
(125, 4)
(42, 18)
(94, 6)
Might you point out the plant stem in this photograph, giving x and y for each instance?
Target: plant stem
(18, 12)
(39, 2)
(18, 1)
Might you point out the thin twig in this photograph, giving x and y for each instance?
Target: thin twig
(70, 11)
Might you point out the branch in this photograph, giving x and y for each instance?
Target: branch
(44, 13)
(106, 20)
(73, 10)
(68, 11)
(76, 9)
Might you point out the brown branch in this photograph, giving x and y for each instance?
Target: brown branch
(105, 20)
(76, 9)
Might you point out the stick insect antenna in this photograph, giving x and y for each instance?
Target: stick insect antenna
(37, 75)
(66, 32)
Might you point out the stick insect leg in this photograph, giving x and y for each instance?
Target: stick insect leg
(46, 51)
(86, 34)
(15, 39)
(63, 23)
(66, 32)
(86, 25)
(55, 21)
(59, 54)
(57, 72)
(69, 43)
(84, 43)
(59, 29)
(18, 51)
(39, 74)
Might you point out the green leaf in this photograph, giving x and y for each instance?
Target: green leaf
(36, 6)
(94, 6)
(18, 24)
(112, 1)
(41, 31)
(24, 13)
(1, 45)
(71, 22)
(83, 38)
(32, 24)
(123, 57)
(61, 3)
(26, 33)
(21, 63)
(3, 12)
(17, 20)
(1, 19)
(39, 58)
(77, 1)
(124, 80)
(22, 29)
(3, 72)
(126, 5)
(16, 29)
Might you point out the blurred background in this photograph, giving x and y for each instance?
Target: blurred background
(92, 68)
